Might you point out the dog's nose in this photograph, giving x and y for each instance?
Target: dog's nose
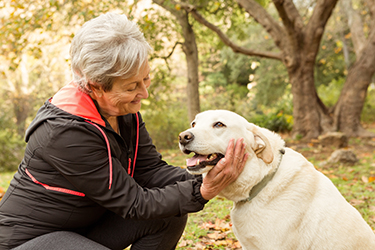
(185, 137)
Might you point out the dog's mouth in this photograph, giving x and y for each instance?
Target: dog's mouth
(198, 162)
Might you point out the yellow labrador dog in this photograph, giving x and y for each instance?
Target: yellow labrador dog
(281, 202)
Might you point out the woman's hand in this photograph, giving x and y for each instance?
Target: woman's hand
(226, 170)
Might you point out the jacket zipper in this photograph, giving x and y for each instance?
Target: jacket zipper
(57, 189)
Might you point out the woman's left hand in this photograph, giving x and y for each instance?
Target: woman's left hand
(226, 170)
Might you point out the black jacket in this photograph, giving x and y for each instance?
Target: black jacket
(76, 167)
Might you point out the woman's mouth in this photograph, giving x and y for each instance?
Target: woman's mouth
(136, 101)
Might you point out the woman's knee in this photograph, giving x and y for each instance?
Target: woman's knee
(61, 240)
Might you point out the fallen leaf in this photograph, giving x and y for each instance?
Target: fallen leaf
(221, 225)
(364, 179)
(221, 242)
(213, 235)
(356, 202)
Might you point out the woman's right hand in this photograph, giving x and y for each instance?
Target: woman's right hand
(226, 170)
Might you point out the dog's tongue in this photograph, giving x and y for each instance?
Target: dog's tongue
(193, 161)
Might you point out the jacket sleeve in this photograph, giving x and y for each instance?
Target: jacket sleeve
(80, 154)
(150, 170)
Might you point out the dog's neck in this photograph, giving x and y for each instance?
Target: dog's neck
(258, 187)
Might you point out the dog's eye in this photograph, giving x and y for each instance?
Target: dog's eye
(219, 125)
(193, 124)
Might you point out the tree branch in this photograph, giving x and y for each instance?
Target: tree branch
(315, 27)
(371, 6)
(171, 53)
(355, 25)
(236, 48)
(262, 17)
(165, 58)
(290, 16)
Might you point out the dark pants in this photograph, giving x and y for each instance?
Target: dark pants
(114, 232)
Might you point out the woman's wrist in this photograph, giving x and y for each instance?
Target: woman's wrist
(205, 193)
(198, 193)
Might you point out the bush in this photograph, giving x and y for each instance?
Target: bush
(12, 148)
(276, 121)
(237, 99)
(165, 122)
(165, 111)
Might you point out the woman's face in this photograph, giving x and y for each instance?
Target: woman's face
(125, 96)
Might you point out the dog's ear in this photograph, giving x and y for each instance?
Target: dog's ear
(262, 146)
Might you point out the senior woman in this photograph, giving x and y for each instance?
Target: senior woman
(91, 177)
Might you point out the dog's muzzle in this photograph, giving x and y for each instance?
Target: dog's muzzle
(198, 162)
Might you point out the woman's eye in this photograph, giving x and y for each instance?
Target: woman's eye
(219, 125)
(132, 88)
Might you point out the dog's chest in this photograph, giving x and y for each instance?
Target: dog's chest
(245, 225)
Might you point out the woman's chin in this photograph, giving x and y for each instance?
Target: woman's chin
(135, 108)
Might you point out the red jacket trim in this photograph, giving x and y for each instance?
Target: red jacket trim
(109, 152)
(57, 189)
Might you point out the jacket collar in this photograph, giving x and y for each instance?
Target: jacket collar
(74, 101)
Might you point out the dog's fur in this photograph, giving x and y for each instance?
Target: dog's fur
(299, 208)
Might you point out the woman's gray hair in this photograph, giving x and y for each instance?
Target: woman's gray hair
(106, 47)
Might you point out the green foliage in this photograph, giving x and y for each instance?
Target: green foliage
(271, 82)
(165, 122)
(164, 112)
(160, 30)
(368, 112)
(330, 62)
(279, 118)
(329, 93)
(230, 97)
(277, 122)
(11, 144)
(11, 150)
(238, 99)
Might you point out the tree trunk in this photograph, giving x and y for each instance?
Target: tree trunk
(310, 115)
(191, 52)
(347, 111)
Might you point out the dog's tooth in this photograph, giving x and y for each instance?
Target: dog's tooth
(198, 162)
(212, 156)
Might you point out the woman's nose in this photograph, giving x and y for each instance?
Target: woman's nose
(143, 91)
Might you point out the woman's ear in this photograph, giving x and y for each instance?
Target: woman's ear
(262, 146)
(96, 91)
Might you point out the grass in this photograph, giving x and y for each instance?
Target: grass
(210, 228)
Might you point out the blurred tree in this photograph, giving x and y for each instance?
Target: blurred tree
(189, 47)
(347, 110)
(298, 37)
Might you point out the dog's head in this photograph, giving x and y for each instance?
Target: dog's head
(209, 136)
